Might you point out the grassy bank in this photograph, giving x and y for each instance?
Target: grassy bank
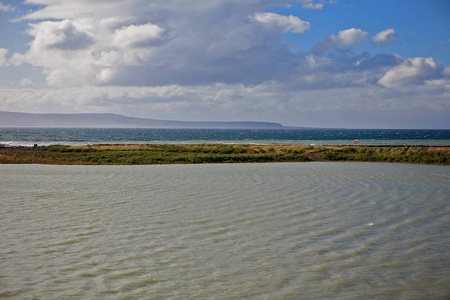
(418, 155)
(218, 153)
(149, 154)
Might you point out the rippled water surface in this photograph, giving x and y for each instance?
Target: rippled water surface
(252, 231)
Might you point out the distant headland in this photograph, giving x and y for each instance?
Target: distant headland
(14, 119)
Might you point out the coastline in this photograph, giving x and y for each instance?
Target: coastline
(148, 154)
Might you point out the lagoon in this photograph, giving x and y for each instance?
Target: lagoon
(255, 231)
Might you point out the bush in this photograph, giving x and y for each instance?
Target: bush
(54, 148)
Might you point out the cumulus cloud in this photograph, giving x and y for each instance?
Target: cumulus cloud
(64, 35)
(86, 49)
(342, 41)
(199, 58)
(287, 24)
(63, 49)
(412, 71)
(137, 35)
(385, 36)
(135, 42)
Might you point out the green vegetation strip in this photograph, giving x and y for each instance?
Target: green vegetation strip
(418, 155)
(217, 153)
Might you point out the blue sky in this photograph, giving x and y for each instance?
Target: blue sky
(423, 27)
(321, 63)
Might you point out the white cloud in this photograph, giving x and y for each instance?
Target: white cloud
(342, 41)
(105, 75)
(17, 59)
(3, 52)
(63, 35)
(69, 9)
(350, 37)
(271, 101)
(385, 36)
(137, 35)
(26, 82)
(179, 59)
(287, 24)
(446, 72)
(412, 71)
(135, 42)
(63, 49)
(86, 50)
(8, 7)
(311, 4)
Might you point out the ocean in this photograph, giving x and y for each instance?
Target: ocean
(85, 136)
(239, 231)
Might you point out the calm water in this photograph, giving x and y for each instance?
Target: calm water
(240, 231)
(83, 136)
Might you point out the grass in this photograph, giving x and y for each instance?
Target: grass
(404, 154)
(216, 153)
(146, 154)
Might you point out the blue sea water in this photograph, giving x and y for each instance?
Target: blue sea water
(86, 136)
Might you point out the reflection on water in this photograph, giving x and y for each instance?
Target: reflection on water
(258, 231)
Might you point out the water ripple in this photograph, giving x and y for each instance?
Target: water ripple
(258, 231)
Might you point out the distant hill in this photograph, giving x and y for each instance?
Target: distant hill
(13, 119)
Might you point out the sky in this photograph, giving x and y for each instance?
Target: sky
(308, 63)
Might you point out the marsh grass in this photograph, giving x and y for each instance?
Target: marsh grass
(420, 155)
(147, 154)
(217, 153)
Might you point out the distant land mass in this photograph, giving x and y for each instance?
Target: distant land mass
(14, 119)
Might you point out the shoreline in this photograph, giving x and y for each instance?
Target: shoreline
(149, 154)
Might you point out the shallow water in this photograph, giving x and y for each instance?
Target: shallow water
(254, 231)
